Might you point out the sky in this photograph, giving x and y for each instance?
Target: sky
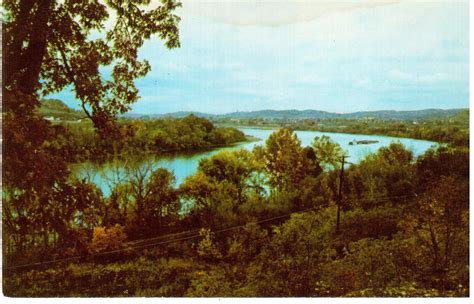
(330, 56)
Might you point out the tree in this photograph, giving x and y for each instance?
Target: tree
(34, 174)
(373, 266)
(285, 161)
(233, 167)
(106, 239)
(162, 205)
(328, 152)
(207, 248)
(290, 263)
(441, 161)
(145, 198)
(53, 45)
(443, 217)
(221, 189)
(387, 173)
(66, 43)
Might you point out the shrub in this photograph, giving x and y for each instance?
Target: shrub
(106, 239)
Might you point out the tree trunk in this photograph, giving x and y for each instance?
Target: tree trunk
(19, 31)
(32, 58)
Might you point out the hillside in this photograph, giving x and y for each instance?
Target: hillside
(425, 114)
(58, 109)
(55, 109)
(314, 114)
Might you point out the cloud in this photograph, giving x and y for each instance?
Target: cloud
(310, 79)
(220, 65)
(352, 56)
(426, 79)
(273, 13)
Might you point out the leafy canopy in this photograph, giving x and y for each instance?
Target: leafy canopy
(54, 45)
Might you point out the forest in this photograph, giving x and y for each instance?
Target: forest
(260, 223)
(135, 138)
(280, 220)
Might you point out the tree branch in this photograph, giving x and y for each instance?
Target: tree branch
(70, 74)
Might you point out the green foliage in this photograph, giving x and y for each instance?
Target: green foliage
(222, 188)
(141, 277)
(53, 41)
(387, 174)
(450, 128)
(376, 264)
(58, 110)
(379, 222)
(328, 152)
(206, 248)
(212, 283)
(48, 46)
(403, 232)
(441, 161)
(232, 167)
(441, 222)
(108, 239)
(147, 137)
(143, 199)
(284, 160)
(290, 264)
(246, 243)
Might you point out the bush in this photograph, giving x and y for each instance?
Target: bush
(108, 239)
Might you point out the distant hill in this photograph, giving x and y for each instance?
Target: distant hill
(407, 115)
(290, 114)
(179, 114)
(56, 109)
(315, 114)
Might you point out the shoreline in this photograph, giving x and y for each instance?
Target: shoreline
(332, 131)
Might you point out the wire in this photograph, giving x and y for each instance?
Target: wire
(381, 198)
(184, 237)
(163, 236)
(155, 244)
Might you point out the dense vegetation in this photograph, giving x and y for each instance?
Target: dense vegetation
(260, 223)
(453, 129)
(138, 137)
(133, 137)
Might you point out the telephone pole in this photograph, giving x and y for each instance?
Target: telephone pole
(339, 195)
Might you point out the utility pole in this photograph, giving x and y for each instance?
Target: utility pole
(339, 195)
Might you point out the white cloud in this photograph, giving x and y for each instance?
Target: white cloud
(221, 65)
(273, 13)
(310, 79)
(426, 79)
(361, 56)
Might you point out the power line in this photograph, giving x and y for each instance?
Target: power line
(381, 198)
(184, 238)
(163, 236)
(154, 244)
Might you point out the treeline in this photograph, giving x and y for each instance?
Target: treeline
(141, 137)
(260, 223)
(453, 130)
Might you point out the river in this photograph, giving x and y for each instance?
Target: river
(185, 164)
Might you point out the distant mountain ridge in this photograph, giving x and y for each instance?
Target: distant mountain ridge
(316, 114)
(57, 108)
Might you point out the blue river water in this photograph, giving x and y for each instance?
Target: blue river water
(105, 176)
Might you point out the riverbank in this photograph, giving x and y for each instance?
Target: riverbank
(459, 136)
(184, 164)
